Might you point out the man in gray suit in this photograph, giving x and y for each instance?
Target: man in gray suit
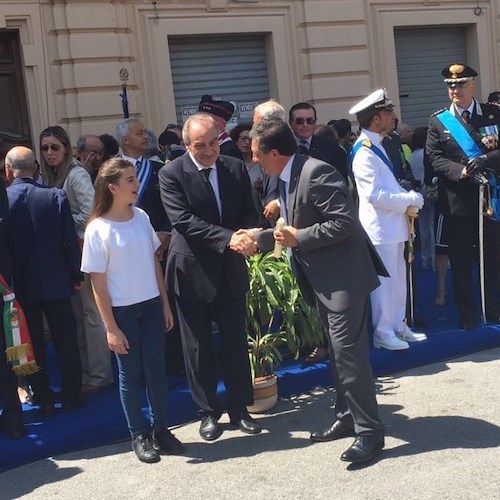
(336, 268)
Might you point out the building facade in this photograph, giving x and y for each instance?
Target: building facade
(60, 60)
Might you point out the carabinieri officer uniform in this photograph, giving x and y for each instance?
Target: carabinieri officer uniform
(453, 134)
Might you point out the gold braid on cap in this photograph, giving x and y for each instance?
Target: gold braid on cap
(456, 69)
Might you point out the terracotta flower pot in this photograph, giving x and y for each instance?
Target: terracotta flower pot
(265, 394)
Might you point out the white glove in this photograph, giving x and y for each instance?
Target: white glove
(415, 199)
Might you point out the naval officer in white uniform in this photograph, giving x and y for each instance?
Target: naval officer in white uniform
(383, 206)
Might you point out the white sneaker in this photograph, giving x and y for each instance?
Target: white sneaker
(392, 344)
(410, 336)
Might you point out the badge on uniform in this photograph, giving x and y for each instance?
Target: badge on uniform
(489, 136)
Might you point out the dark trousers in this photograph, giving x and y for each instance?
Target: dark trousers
(492, 268)
(200, 357)
(463, 238)
(9, 400)
(62, 324)
(144, 326)
(351, 368)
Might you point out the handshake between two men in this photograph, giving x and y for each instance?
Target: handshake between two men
(244, 241)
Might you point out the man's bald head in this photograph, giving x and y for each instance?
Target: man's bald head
(21, 161)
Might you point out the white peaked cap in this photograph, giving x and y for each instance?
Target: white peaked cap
(376, 100)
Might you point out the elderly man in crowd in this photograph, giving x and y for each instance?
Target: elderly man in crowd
(208, 199)
(46, 253)
(89, 152)
(9, 399)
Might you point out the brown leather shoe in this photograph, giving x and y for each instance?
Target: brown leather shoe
(317, 355)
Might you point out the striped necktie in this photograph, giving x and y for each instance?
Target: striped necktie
(466, 116)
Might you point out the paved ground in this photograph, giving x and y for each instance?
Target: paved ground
(443, 427)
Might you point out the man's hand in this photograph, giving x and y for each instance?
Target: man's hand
(287, 236)
(164, 238)
(243, 241)
(272, 210)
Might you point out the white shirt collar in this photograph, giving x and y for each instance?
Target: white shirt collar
(286, 173)
(130, 159)
(199, 166)
(374, 137)
(301, 141)
(460, 110)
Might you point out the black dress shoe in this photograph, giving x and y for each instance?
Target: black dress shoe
(245, 422)
(337, 430)
(468, 324)
(47, 410)
(210, 429)
(495, 319)
(143, 447)
(14, 428)
(364, 449)
(166, 442)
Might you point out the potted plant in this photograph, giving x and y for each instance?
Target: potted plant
(277, 318)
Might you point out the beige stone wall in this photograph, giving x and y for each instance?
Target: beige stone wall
(329, 52)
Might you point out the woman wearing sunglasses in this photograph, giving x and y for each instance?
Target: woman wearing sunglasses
(61, 170)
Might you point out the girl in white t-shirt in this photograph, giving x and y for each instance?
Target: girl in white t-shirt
(119, 252)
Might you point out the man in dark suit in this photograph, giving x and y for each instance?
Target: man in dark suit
(9, 399)
(46, 253)
(336, 268)
(458, 191)
(208, 199)
(221, 112)
(302, 118)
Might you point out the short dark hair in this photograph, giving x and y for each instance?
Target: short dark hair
(418, 138)
(342, 126)
(110, 146)
(168, 137)
(274, 134)
(300, 105)
(494, 96)
(236, 131)
(365, 117)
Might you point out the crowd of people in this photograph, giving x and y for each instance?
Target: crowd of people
(126, 236)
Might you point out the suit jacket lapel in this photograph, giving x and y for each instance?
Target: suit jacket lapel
(297, 165)
(224, 188)
(199, 189)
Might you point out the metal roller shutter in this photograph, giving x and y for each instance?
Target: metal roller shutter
(421, 54)
(228, 67)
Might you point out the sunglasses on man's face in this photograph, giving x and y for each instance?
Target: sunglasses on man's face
(456, 85)
(52, 147)
(301, 121)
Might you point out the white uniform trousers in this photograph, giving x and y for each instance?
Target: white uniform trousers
(388, 301)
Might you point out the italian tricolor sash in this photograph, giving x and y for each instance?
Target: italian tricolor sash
(19, 350)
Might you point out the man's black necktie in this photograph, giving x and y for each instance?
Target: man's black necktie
(303, 147)
(466, 116)
(205, 175)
